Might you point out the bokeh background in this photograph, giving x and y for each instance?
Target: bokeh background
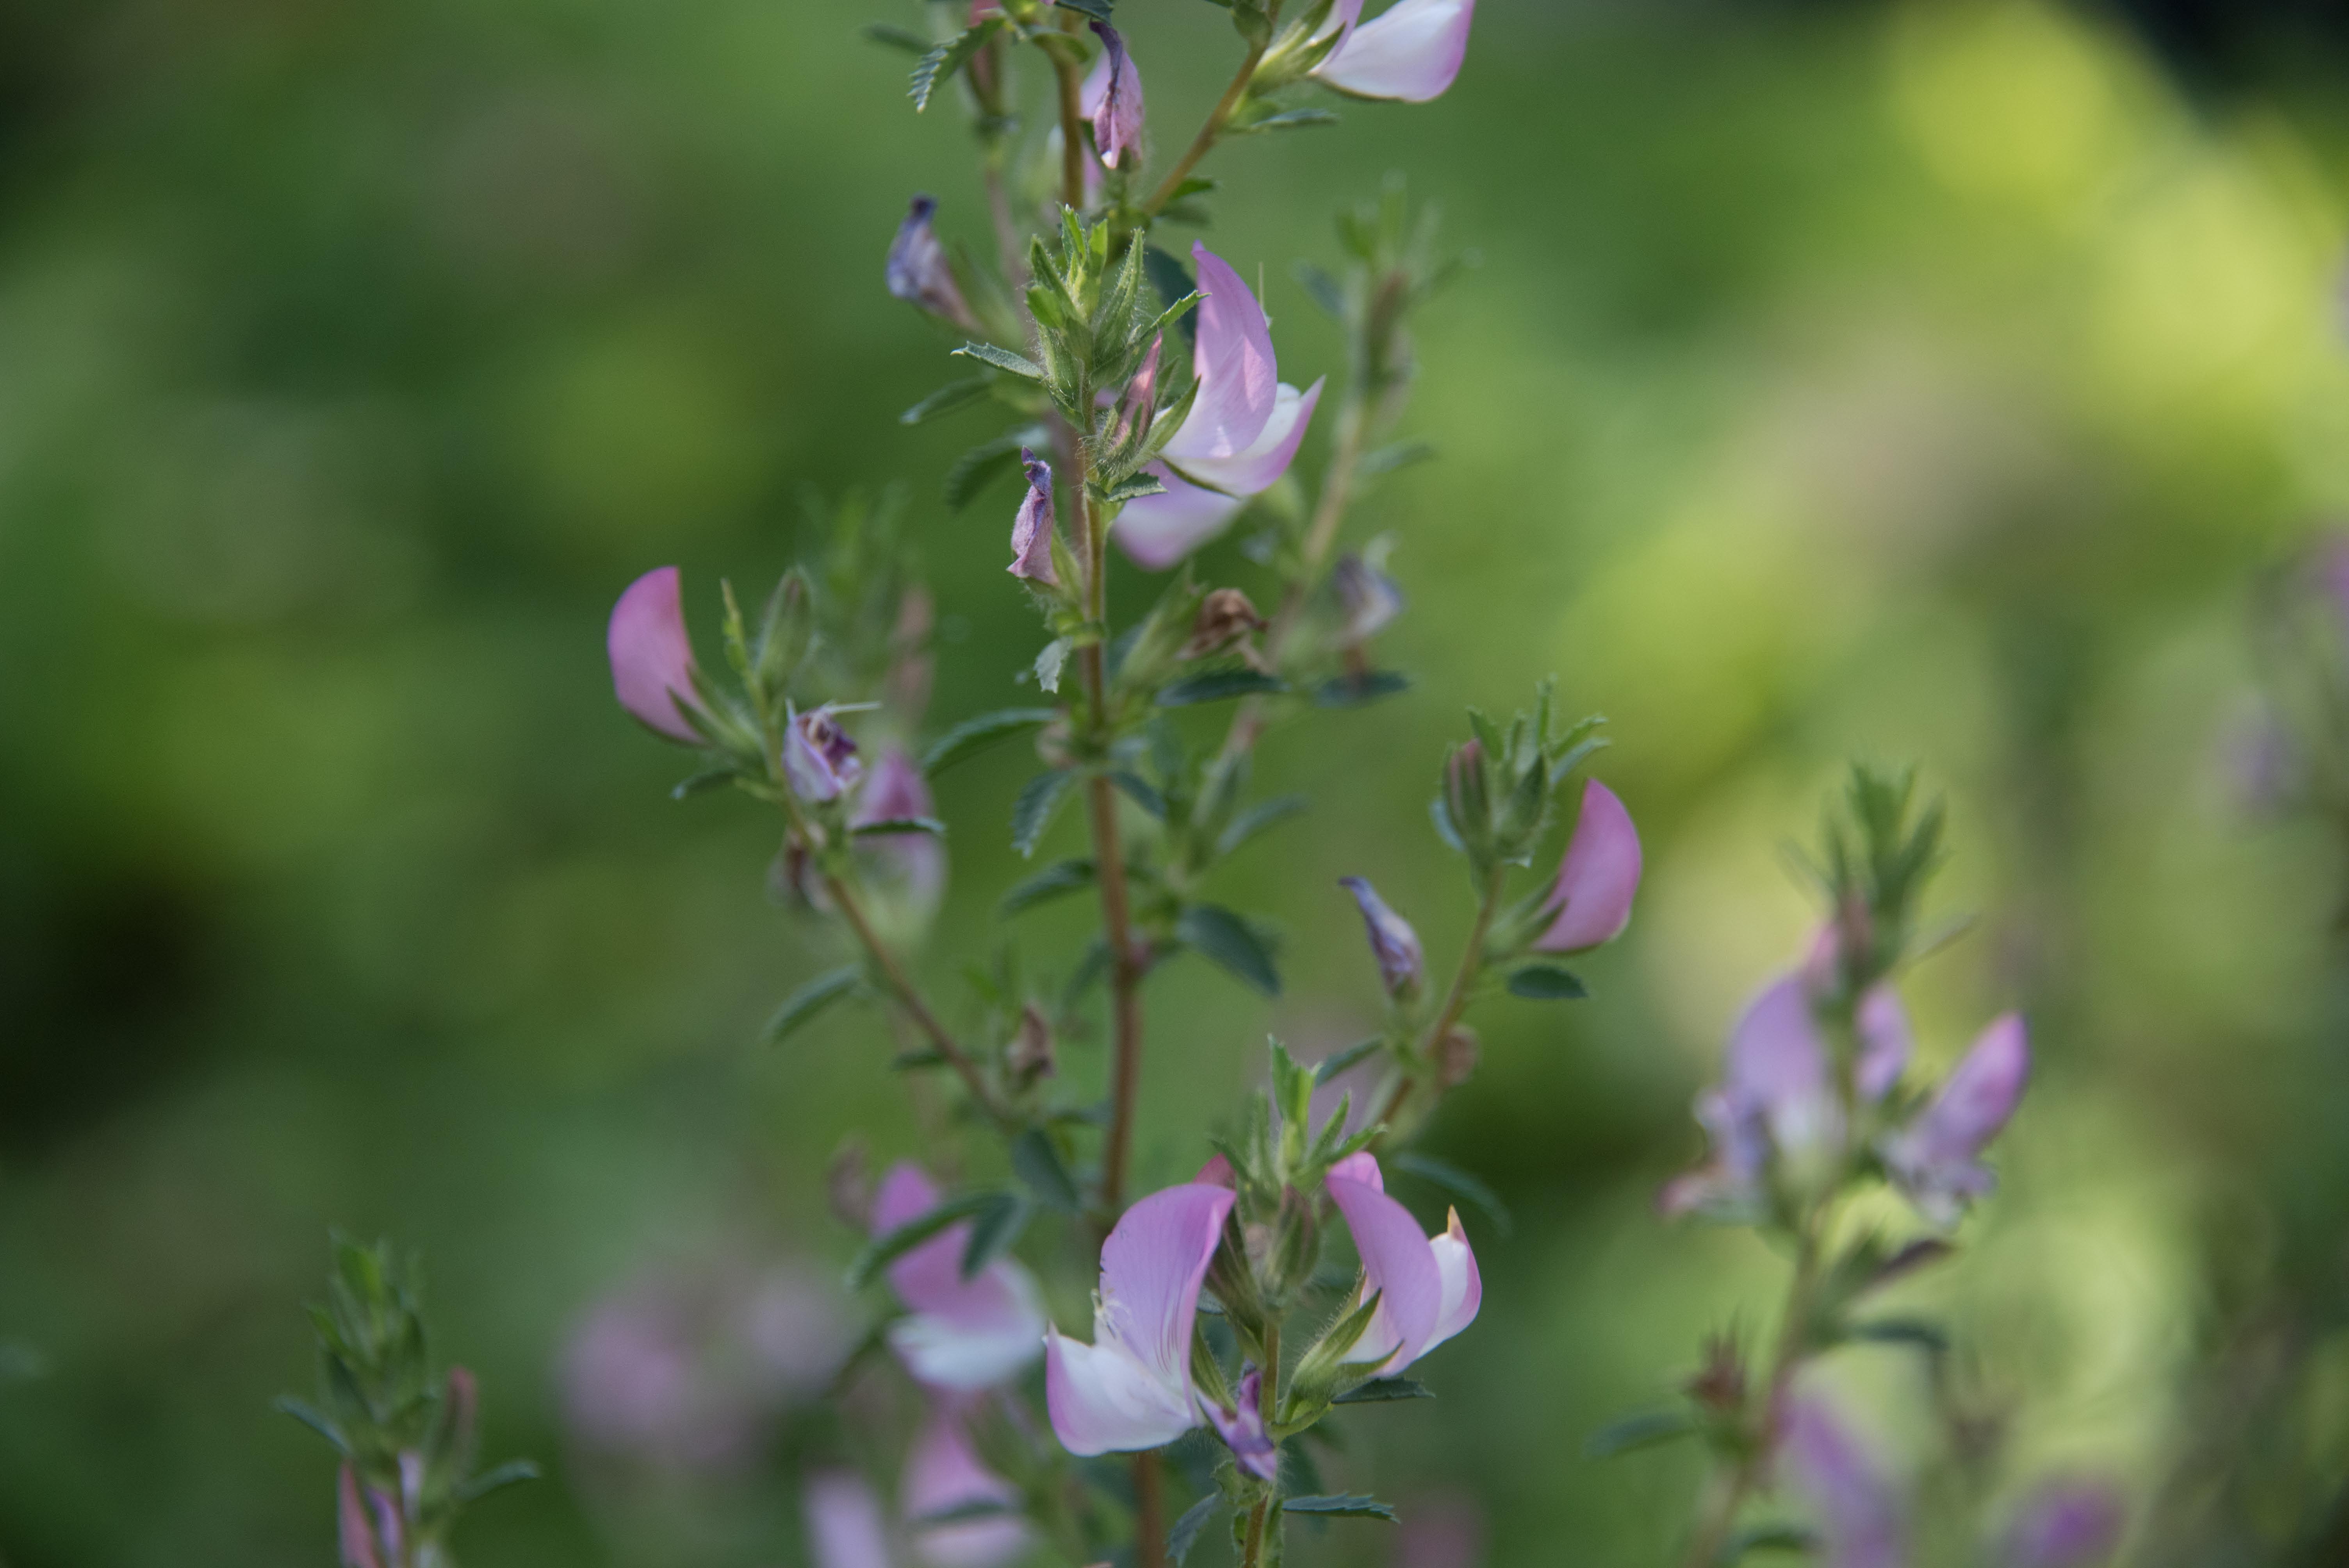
(1925, 382)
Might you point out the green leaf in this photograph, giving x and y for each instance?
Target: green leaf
(1547, 983)
(1776, 1536)
(1360, 1050)
(1347, 1505)
(885, 1250)
(1360, 691)
(1040, 798)
(946, 399)
(962, 1513)
(1173, 281)
(1389, 459)
(929, 825)
(1643, 1431)
(1322, 289)
(1290, 119)
(315, 1421)
(1191, 1526)
(801, 1008)
(1097, 9)
(1134, 488)
(702, 783)
(1003, 359)
(940, 64)
(1036, 1160)
(895, 37)
(1141, 791)
(1460, 1184)
(1055, 881)
(973, 735)
(1219, 686)
(1257, 818)
(503, 1475)
(993, 1229)
(1378, 1390)
(1916, 1331)
(972, 472)
(1231, 943)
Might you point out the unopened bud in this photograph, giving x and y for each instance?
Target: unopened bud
(1456, 1055)
(1720, 1384)
(848, 1186)
(1225, 617)
(1030, 1053)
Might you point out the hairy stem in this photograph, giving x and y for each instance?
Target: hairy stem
(1211, 128)
(1456, 1000)
(909, 997)
(1072, 119)
(1252, 1555)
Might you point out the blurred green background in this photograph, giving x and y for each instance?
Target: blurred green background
(1921, 382)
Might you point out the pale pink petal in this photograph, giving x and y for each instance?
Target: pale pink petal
(1238, 378)
(652, 659)
(1412, 52)
(1399, 1266)
(1151, 1266)
(1777, 1071)
(957, 1332)
(1598, 878)
(1341, 19)
(1360, 1166)
(1216, 1173)
(1101, 1400)
(943, 1473)
(1157, 530)
(1936, 1159)
(1464, 1286)
(843, 1522)
(1859, 1513)
(1885, 1041)
(1259, 468)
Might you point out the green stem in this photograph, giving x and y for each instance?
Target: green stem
(1208, 132)
(1252, 1555)
(1456, 1000)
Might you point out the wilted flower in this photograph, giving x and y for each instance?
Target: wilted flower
(1029, 1054)
(1428, 1287)
(1392, 940)
(652, 659)
(2069, 1524)
(1131, 1388)
(819, 758)
(1412, 52)
(957, 1332)
(1368, 599)
(843, 1521)
(1112, 98)
(1226, 616)
(1240, 436)
(1936, 1159)
(918, 272)
(944, 1473)
(1031, 527)
(1596, 879)
(1859, 1513)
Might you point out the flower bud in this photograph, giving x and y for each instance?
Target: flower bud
(1225, 617)
(652, 658)
(1720, 1383)
(1031, 527)
(1243, 1431)
(1111, 99)
(819, 758)
(918, 272)
(1029, 1054)
(1392, 940)
(354, 1530)
(1596, 879)
(1466, 809)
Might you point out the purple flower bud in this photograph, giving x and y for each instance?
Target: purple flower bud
(1367, 597)
(1885, 1042)
(355, 1530)
(1031, 526)
(1598, 877)
(1392, 940)
(819, 758)
(1243, 1430)
(1859, 1513)
(652, 659)
(1112, 98)
(1936, 1159)
(919, 273)
(1412, 52)
(2072, 1523)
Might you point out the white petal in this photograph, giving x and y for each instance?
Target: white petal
(1412, 52)
(1103, 1401)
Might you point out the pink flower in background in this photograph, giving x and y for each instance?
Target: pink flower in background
(844, 1526)
(1031, 526)
(819, 758)
(652, 658)
(1131, 1388)
(1368, 599)
(1936, 1159)
(1446, 1531)
(1775, 1095)
(1429, 1288)
(896, 792)
(1412, 52)
(957, 1334)
(1860, 1516)
(918, 272)
(1598, 878)
(1393, 942)
(1242, 432)
(943, 1474)
(1111, 99)
(2069, 1524)
(369, 1527)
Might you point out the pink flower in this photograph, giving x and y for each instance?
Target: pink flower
(2073, 1523)
(1428, 1287)
(1393, 942)
(843, 1521)
(1242, 432)
(1131, 1388)
(1031, 527)
(1775, 1096)
(357, 1533)
(1596, 879)
(957, 1334)
(1411, 53)
(652, 659)
(896, 792)
(1936, 1159)
(1859, 1513)
(943, 1474)
(1112, 98)
(919, 273)
(819, 758)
